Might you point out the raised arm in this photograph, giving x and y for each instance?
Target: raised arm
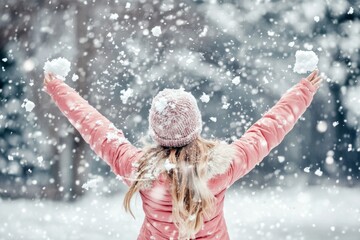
(270, 130)
(104, 138)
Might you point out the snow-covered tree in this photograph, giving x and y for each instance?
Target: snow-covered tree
(236, 57)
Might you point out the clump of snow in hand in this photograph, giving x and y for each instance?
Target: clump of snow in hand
(205, 98)
(168, 165)
(318, 172)
(306, 61)
(126, 94)
(59, 66)
(156, 31)
(28, 105)
(75, 77)
(236, 80)
(92, 183)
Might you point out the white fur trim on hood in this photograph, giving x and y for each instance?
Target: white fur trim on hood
(220, 158)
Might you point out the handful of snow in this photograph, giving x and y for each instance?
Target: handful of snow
(59, 66)
(306, 61)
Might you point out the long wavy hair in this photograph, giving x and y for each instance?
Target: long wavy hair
(186, 169)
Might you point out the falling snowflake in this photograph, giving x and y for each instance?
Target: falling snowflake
(318, 172)
(236, 80)
(114, 16)
(75, 77)
(92, 183)
(156, 31)
(205, 98)
(126, 94)
(28, 105)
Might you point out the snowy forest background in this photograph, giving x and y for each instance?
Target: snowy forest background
(202, 47)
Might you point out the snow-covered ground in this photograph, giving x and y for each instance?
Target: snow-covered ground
(310, 213)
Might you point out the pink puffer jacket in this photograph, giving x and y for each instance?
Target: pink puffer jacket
(109, 143)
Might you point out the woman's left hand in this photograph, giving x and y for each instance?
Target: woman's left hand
(314, 79)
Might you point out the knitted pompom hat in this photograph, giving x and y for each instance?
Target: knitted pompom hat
(174, 118)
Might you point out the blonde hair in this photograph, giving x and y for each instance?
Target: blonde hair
(192, 200)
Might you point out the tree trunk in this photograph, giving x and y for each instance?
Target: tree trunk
(85, 51)
(345, 137)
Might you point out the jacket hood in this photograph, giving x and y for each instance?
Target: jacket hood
(219, 161)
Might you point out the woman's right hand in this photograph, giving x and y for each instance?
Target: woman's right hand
(314, 79)
(48, 78)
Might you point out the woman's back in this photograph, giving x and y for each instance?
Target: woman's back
(157, 201)
(217, 166)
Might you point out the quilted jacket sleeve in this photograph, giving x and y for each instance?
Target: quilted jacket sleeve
(270, 130)
(104, 138)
